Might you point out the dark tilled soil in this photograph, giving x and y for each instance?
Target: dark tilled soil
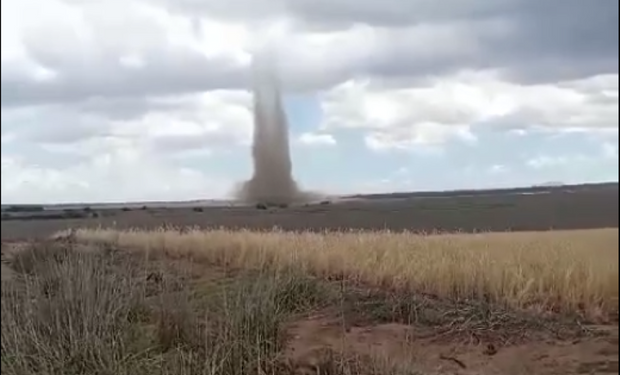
(592, 208)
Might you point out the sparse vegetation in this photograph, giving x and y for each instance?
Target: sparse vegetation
(25, 208)
(69, 213)
(49, 215)
(198, 209)
(80, 310)
(267, 205)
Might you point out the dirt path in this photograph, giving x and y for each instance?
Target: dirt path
(311, 337)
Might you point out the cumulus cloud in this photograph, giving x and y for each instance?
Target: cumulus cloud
(607, 153)
(498, 168)
(170, 78)
(117, 176)
(610, 150)
(449, 107)
(545, 161)
(52, 55)
(317, 139)
(210, 119)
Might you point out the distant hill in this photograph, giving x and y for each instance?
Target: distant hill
(487, 192)
(547, 187)
(550, 184)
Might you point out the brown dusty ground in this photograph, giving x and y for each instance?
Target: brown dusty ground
(311, 337)
(579, 209)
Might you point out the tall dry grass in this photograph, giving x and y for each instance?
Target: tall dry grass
(557, 270)
(94, 311)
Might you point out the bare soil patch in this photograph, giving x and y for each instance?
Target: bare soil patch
(313, 337)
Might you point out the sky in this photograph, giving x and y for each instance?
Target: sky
(137, 100)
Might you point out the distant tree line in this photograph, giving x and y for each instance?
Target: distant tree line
(25, 208)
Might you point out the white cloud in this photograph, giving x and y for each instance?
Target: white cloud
(317, 139)
(97, 28)
(195, 122)
(7, 138)
(166, 124)
(119, 175)
(450, 108)
(544, 161)
(610, 150)
(607, 153)
(498, 168)
(124, 156)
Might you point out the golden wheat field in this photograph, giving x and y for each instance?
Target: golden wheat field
(557, 270)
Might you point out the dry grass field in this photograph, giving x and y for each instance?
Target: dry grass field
(562, 270)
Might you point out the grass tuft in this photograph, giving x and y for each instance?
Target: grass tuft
(72, 309)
